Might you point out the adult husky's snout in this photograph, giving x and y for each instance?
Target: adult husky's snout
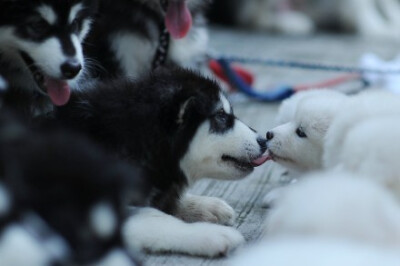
(263, 144)
(70, 68)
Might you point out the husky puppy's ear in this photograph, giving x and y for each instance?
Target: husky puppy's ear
(183, 111)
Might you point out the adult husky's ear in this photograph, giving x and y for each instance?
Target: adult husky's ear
(183, 111)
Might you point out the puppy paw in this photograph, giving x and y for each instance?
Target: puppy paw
(206, 209)
(153, 231)
(214, 240)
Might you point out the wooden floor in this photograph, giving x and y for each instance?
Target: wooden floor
(245, 195)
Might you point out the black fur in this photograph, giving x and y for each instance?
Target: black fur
(142, 18)
(60, 176)
(138, 121)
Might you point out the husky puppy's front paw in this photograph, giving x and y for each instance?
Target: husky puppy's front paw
(206, 209)
(213, 240)
(153, 231)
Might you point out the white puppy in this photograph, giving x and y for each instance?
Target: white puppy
(372, 149)
(298, 142)
(297, 251)
(339, 205)
(358, 108)
(328, 219)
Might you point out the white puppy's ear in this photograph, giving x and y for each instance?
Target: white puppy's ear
(183, 111)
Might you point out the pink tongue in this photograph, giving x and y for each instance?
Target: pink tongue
(58, 91)
(261, 160)
(178, 19)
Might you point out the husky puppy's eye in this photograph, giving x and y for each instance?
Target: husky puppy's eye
(37, 27)
(220, 114)
(300, 132)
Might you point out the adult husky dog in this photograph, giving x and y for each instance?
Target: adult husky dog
(40, 50)
(131, 38)
(178, 127)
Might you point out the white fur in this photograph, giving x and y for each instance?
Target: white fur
(377, 18)
(337, 204)
(134, 59)
(372, 17)
(47, 55)
(85, 29)
(225, 104)
(313, 112)
(206, 209)
(358, 108)
(263, 15)
(155, 231)
(189, 50)
(204, 156)
(20, 248)
(371, 149)
(103, 220)
(47, 14)
(115, 258)
(297, 251)
(74, 12)
(288, 107)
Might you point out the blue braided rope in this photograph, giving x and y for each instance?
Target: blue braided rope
(304, 65)
(277, 94)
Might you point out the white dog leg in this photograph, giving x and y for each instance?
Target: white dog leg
(205, 209)
(391, 9)
(154, 231)
(367, 21)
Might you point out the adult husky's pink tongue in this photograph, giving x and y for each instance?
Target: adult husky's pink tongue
(178, 19)
(58, 91)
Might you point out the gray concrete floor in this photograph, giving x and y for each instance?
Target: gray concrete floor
(245, 195)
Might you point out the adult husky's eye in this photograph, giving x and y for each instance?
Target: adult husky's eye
(76, 25)
(300, 132)
(37, 27)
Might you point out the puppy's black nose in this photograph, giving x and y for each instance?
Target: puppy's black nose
(70, 68)
(270, 135)
(263, 144)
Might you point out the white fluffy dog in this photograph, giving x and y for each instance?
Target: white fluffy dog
(337, 204)
(359, 108)
(315, 252)
(297, 143)
(372, 149)
(327, 219)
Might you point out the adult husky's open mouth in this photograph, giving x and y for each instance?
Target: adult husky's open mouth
(57, 90)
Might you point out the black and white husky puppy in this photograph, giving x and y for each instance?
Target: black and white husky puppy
(41, 50)
(56, 204)
(178, 127)
(130, 37)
